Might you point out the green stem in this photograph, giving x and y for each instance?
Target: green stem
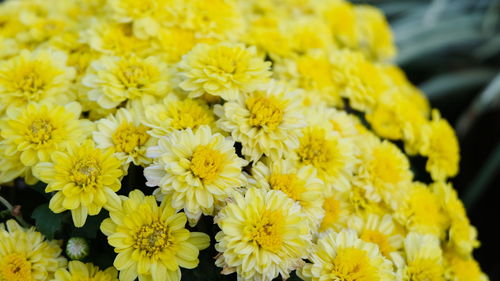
(10, 208)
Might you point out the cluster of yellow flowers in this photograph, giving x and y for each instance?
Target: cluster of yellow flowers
(283, 119)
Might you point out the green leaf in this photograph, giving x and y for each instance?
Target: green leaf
(47, 222)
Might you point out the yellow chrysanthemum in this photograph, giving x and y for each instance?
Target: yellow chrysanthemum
(111, 38)
(85, 179)
(463, 269)
(176, 113)
(443, 151)
(379, 230)
(113, 80)
(375, 36)
(199, 169)
(264, 122)
(343, 256)
(225, 70)
(341, 19)
(300, 184)
(35, 77)
(78, 271)
(423, 259)
(221, 19)
(336, 212)
(151, 241)
(26, 255)
(11, 168)
(174, 42)
(419, 210)
(262, 235)
(37, 130)
(125, 135)
(383, 171)
(333, 156)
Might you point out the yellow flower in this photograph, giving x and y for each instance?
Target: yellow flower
(113, 80)
(423, 260)
(343, 256)
(176, 113)
(419, 210)
(26, 255)
(379, 230)
(442, 150)
(221, 19)
(262, 235)
(125, 135)
(38, 130)
(78, 271)
(463, 269)
(264, 122)
(225, 70)
(336, 212)
(375, 37)
(85, 179)
(333, 156)
(199, 169)
(300, 184)
(173, 43)
(151, 241)
(34, 77)
(383, 171)
(11, 168)
(111, 38)
(341, 19)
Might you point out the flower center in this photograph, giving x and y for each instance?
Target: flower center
(316, 150)
(353, 264)
(423, 270)
(385, 166)
(152, 238)
(128, 138)
(30, 83)
(206, 163)
(266, 232)
(288, 184)
(40, 131)
(378, 238)
(85, 172)
(134, 76)
(189, 114)
(264, 112)
(15, 267)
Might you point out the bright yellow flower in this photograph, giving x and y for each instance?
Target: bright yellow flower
(300, 184)
(379, 230)
(343, 256)
(225, 70)
(336, 212)
(113, 80)
(221, 19)
(463, 269)
(176, 113)
(78, 271)
(341, 19)
(85, 179)
(125, 135)
(38, 76)
(262, 235)
(423, 259)
(375, 36)
(199, 169)
(111, 38)
(265, 122)
(38, 130)
(26, 255)
(442, 150)
(151, 241)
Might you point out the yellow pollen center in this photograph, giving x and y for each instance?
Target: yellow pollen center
(378, 238)
(85, 172)
(134, 76)
(40, 131)
(128, 138)
(266, 232)
(264, 112)
(288, 184)
(423, 270)
(316, 150)
(31, 82)
(189, 114)
(385, 166)
(206, 163)
(15, 267)
(353, 264)
(151, 239)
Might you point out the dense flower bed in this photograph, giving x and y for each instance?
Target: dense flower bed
(282, 122)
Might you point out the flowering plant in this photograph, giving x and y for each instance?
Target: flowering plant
(274, 136)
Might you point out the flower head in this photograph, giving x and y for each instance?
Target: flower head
(225, 70)
(151, 241)
(26, 255)
(262, 235)
(85, 271)
(85, 179)
(199, 169)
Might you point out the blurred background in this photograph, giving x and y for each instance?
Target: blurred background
(451, 50)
